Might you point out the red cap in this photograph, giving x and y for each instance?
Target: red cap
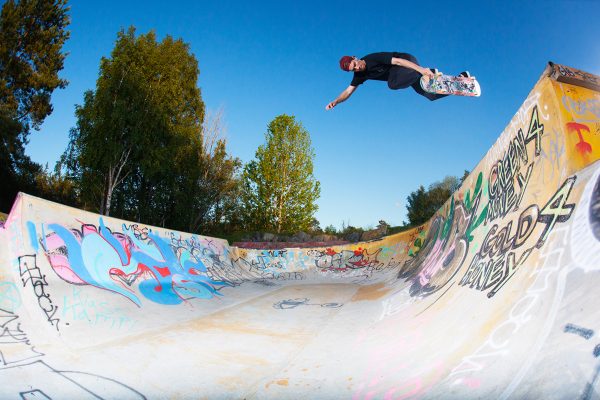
(345, 63)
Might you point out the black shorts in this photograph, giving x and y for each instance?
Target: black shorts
(402, 77)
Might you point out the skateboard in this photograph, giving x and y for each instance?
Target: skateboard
(448, 84)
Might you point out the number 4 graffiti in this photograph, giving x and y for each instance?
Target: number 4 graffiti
(556, 210)
(535, 131)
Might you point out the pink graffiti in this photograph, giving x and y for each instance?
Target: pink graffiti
(331, 260)
(59, 260)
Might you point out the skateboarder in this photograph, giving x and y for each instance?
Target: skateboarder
(400, 70)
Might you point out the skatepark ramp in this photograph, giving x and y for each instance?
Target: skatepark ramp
(495, 297)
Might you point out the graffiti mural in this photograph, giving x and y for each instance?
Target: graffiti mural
(443, 252)
(163, 272)
(481, 301)
(359, 261)
(446, 245)
(498, 260)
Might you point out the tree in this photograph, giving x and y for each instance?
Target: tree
(217, 185)
(54, 186)
(330, 230)
(422, 204)
(133, 130)
(280, 190)
(142, 149)
(32, 34)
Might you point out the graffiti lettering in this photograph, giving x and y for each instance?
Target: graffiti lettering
(582, 107)
(556, 210)
(497, 261)
(346, 260)
(31, 274)
(293, 303)
(535, 131)
(14, 344)
(575, 73)
(578, 330)
(553, 152)
(504, 196)
(285, 276)
(80, 307)
(270, 261)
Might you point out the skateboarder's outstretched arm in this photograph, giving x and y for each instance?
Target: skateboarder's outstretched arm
(409, 64)
(342, 97)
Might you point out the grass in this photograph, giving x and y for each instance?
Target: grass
(397, 229)
(230, 237)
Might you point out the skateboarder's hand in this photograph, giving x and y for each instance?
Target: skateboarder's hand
(330, 105)
(427, 72)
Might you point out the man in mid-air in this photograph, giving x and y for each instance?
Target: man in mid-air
(400, 70)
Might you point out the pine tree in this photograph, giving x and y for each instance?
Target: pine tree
(32, 34)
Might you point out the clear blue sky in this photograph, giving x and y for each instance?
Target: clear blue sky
(261, 59)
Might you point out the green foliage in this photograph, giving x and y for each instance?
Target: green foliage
(330, 230)
(349, 230)
(139, 149)
(55, 186)
(418, 207)
(422, 204)
(397, 229)
(32, 33)
(280, 190)
(471, 202)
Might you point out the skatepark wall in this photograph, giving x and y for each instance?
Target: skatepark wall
(506, 269)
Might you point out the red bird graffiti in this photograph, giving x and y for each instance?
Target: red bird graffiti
(582, 146)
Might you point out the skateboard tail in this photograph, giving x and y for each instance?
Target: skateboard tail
(477, 88)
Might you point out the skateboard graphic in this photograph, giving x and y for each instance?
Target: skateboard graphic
(447, 84)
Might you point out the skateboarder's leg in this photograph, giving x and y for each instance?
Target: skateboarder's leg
(401, 78)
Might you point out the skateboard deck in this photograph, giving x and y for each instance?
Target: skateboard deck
(447, 84)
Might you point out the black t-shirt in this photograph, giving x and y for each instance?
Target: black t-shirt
(378, 67)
